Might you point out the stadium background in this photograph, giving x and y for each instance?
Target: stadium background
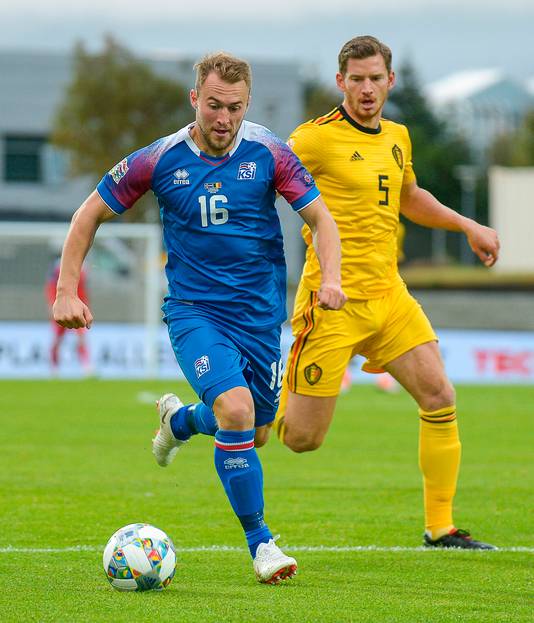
(486, 316)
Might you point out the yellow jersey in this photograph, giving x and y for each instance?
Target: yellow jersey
(360, 172)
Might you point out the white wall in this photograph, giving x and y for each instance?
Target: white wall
(512, 215)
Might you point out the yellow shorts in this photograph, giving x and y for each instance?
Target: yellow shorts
(380, 329)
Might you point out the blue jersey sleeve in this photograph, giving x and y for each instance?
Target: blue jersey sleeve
(131, 178)
(291, 179)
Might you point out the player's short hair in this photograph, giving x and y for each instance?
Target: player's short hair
(229, 68)
(363, 47)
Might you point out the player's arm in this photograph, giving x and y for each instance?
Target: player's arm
(328, 248)
(421, 207)
(69, 310)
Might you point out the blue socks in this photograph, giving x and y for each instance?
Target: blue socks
(237, 464)
(193, 419)
(239, 469)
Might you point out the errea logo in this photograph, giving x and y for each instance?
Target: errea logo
(237, 463)
(181, 177)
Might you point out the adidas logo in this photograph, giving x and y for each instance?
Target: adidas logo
(356, 156)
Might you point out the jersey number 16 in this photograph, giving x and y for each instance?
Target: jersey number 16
(212, 213)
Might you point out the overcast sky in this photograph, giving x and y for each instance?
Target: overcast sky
(447, 36)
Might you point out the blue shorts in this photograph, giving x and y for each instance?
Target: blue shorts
(216, 356)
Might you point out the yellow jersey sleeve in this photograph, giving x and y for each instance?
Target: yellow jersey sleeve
(409, 174)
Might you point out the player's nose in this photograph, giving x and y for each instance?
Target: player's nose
(223, 117)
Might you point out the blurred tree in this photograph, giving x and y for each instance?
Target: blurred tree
(515, 149)
(114, 105)
(436, 152)
(319, 100)
(501, 150)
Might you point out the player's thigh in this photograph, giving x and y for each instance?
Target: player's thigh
(263, 371)
(307, 420)
(404, 326)
(322, 347)
(422, 373)
(211, 362)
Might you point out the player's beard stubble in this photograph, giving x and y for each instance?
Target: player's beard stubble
(221, 145)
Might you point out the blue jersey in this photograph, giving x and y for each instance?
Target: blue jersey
(220, 226)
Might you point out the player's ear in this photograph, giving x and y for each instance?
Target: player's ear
(391, 79)
(193, 98)
(340, 82)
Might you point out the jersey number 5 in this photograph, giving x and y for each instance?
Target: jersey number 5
(382, 179)
(213, 213)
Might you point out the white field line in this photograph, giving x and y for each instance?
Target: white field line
(230, 548)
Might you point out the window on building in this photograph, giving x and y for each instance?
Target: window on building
(23, 158)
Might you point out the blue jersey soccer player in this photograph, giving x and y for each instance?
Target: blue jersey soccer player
(216, 183)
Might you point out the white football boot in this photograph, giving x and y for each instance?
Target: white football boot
(271, 565)
(165, 445)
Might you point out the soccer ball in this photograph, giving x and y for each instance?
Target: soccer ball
(139, 557)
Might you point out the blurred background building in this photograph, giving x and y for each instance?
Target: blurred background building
(481, 105)
(36, 182)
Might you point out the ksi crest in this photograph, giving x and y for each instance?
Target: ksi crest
(202, 365)
(247, 171)
(397, 154)
(313, 373)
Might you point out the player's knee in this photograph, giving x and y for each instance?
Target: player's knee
(440, 396)
(262, 436)
(238, 417)
(302, 441)
(234, 414)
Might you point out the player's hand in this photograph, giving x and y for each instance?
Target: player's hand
(484, 242)
(71, 312)
(331, 296)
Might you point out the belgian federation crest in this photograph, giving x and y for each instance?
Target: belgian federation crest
(397, 154)
(313, 373)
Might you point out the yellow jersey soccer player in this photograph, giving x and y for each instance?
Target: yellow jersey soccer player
(362, 164)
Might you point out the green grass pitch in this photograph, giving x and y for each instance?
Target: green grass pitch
(76, 464)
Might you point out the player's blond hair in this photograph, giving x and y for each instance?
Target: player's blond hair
(363, 47)
(229, 68)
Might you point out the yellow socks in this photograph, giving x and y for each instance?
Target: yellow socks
(439, 460)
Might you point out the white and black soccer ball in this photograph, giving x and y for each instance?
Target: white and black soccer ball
(139, 557)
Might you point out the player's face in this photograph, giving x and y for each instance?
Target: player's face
(365, 85)
(220, 108)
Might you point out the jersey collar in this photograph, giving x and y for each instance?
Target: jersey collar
(357, 125)
(212, 159)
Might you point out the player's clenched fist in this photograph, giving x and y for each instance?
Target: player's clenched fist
(72, 313)
(331, 297)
